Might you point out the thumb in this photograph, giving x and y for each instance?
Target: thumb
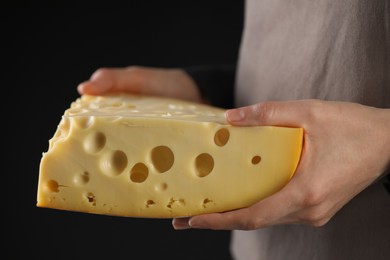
(288, 113)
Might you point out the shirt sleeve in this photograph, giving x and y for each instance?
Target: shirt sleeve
(215, 82)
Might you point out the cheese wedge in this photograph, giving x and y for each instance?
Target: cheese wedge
(153, 157)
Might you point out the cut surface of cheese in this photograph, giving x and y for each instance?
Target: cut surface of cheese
(154, 157)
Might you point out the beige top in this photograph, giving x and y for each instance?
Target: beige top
(326, 49)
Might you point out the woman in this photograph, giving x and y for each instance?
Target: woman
(321, 65)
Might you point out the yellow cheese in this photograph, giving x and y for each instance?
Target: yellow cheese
(142, 156)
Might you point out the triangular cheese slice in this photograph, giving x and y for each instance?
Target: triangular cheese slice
(153, 157)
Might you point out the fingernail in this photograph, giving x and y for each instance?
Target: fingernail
(234, 115)
(181, 223)
(192, 223)
(92, 87)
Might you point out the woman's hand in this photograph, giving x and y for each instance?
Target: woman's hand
(346, 148)
(173, 83)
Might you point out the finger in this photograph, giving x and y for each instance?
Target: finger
(92, 88)
(100, 82)
(231, 220)
(108, 80)
(276, 209)
(290, 113)
(181, 223)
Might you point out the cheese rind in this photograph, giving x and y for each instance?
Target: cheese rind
(141, 156)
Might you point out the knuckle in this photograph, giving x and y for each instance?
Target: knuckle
(320, 223)
(135, 69)
(263, 111)
(101, 73)
(251, 224)
(316, 217)
(315, 110)
(138, 75)
(252, 221)
(313, 196)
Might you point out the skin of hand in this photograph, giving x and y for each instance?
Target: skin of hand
(346, 148)
(174, 83)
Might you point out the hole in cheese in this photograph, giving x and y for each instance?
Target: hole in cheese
(113, 163)
(81, 178)
(177, 202)
(221, 137)
(162, 158)
(94, 142)
(161, 187)
(65, 124)
(206, 201)
(139, 173)
(62, 131)
(256, 159)
(63, 128)
(83, 122)
(91, 198)
(114, 104)
(52, 186)
(204, 164)
(76, 111)
(150, 203)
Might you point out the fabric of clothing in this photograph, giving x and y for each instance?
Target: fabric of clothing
(329, 50)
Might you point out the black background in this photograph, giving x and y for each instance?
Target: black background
(46, 52)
